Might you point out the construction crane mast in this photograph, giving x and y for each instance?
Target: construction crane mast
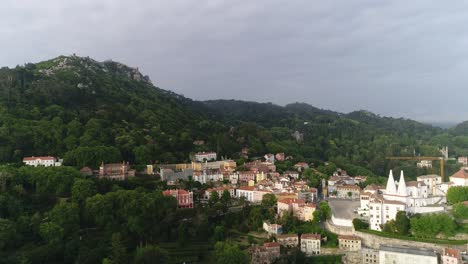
(424, 158)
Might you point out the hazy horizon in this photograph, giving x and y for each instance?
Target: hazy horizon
(398, 59)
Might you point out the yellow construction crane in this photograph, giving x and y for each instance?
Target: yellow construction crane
(424, 158)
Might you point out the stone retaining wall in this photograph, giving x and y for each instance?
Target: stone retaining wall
(340, 230)
(374, 241)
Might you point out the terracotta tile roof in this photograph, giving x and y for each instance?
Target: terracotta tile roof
(334, 178)
(287, 236)
(40, 158)
(271, 244)
(291, 200)
(219, 189)
(246, 172)
(349, 237)
(452, 252)
(246, 188)
(462, 173)
(177, 191)
(311, 236)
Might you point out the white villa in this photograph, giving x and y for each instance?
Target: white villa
(205, 156)
(47, 161)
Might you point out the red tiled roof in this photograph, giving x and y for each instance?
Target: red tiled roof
(452, 252)
(246, 172)
(286, 236)
(349, 237)
(311, 236)
(462, 173)
(290, 201)
(40, 158)
(178, 191)
(271, 244)
(246, 188)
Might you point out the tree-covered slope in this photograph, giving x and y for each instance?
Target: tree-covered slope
(360, 138)
(88, 111)
(56, 106)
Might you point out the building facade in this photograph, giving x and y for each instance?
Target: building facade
(463, 160)
(310, 244)
(348, 191)
(220, 191)
(46, 161)
(205, 156)
(369, 256)
(297, 207)
(424, 164)
(116, 171)
(393, 255)
(460, 178)
(288, 240)
(272, 229)
(349, 243)
(265, 254)
(451, 256)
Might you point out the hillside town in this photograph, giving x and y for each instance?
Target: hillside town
(349, 198)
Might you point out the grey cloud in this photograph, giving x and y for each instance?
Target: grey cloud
(398, 58)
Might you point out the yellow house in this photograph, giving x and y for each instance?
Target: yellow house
(251, 183)
(260, 176)
(149, 169)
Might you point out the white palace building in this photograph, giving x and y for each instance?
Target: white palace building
(426, 195)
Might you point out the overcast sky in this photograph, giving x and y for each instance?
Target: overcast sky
(395, 58)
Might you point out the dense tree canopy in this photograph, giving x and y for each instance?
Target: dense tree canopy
(91, 112)
(432, 225)
(457, 194)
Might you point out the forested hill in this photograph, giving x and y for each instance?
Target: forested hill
(271, 115)
(56, 106)
(88, 111)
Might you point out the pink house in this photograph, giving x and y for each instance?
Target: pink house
(116, 171)
(184, 198)
(246, 176)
